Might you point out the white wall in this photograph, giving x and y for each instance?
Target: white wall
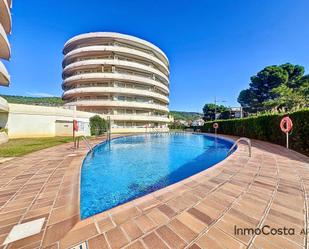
(3, 105)
(3, 137)
(3, 119)
(40, 121)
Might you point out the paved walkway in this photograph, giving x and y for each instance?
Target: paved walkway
(208, 210)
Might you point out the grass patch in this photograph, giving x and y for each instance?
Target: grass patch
(22, 146)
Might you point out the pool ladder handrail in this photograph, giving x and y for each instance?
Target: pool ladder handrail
(244, 139)
(86, 142)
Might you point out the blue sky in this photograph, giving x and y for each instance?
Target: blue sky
(213, 46)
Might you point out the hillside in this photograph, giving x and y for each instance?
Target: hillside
(57, 101)
(44, 101)
(185, 115)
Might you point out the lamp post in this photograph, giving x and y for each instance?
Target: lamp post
(217, 101)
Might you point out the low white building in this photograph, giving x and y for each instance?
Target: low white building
(198, 122)
(42, 121)
(236, 112)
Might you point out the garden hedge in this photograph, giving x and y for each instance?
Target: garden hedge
(267, 127)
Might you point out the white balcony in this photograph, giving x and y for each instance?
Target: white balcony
(4, 75)
(114, 90)
(111, 62)
(117, 103)
(121, 50)
(5, 16)
(5, 49)
(113, 36)
(126, 117)
(114, 76)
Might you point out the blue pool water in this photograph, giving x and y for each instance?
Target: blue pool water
(130, 167)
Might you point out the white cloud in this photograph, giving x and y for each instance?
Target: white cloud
(36, 94)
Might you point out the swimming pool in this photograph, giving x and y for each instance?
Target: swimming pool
(129, 167)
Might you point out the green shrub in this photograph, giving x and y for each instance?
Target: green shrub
(97, 125)
(267, 127)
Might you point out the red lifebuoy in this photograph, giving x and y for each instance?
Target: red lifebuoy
(286, 124)
(215, 126)
(75, 125)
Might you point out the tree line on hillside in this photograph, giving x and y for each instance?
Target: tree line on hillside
(188, 116)
(278, 88)
(44, 101)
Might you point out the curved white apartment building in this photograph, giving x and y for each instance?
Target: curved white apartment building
(5, 48)
(120, 76)
(5, 53)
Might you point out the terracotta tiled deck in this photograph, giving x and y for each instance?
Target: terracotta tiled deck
(270, 188)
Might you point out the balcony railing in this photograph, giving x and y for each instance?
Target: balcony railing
(153, 76)
(90, 77)
(117, 100)
(116, 50)
(116, 87)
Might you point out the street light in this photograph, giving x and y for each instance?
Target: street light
(217, 101)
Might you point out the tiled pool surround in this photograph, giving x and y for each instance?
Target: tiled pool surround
(202, 211)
